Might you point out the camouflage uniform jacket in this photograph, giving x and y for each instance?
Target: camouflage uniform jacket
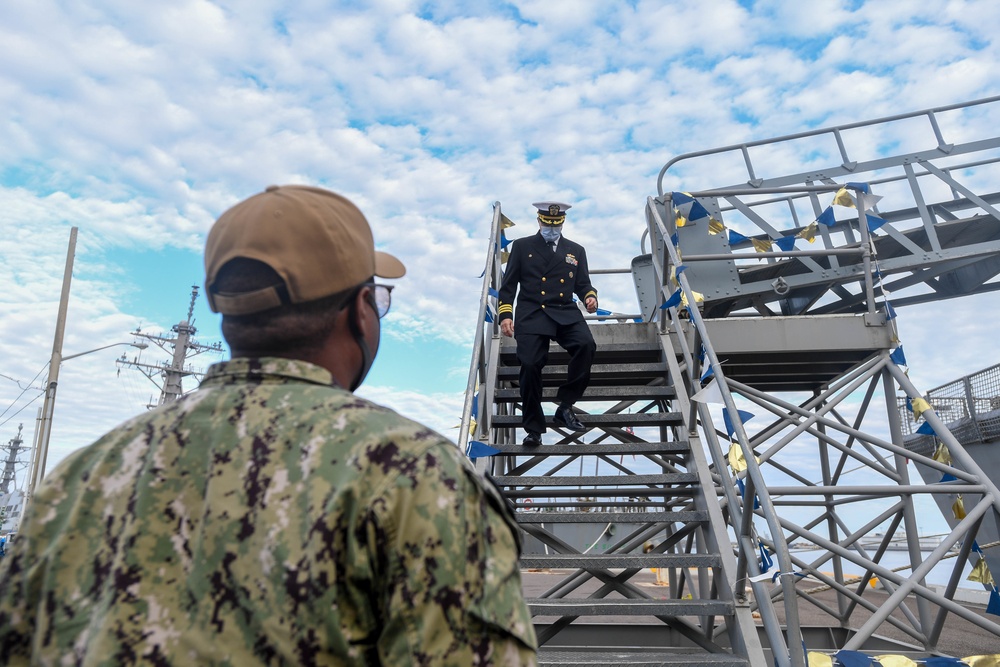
(268, 518)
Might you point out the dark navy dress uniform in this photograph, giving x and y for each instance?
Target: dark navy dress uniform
(545, 311)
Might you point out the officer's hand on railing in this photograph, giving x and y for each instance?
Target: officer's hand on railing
(507, 327)
(591, 304)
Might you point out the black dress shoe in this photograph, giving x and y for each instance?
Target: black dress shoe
(565, 417)
(532, 440)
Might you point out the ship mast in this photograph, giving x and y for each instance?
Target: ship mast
(182, 346)
(13, 448)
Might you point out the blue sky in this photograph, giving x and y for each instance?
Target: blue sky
(140, 124)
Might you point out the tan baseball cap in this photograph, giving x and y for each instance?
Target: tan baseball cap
(316, 240)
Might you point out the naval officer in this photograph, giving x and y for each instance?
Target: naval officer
(550, 269)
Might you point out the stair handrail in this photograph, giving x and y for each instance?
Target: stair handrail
(754, 477)
(835, 131)
(491, 278)
(772, 626)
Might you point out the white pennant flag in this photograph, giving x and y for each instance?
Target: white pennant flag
(710, 393)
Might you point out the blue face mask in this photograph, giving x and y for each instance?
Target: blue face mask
(551, 234)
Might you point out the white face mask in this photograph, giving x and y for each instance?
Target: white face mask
(551, 234)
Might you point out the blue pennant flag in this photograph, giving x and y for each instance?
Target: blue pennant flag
(926, 429)
(899, 359)
(863, 187)
(735, 238)
(483, 273)
(475, 406)
(674, 238)
(948, 477)
(709, 372)
(679, 198)
(765, 559)
(744, 417)
(489, 315)
(504, 241)
(909, 404)
(786, 243)
(853, 659)
(601, 311)
(697, 212)
(480, 449)
(637, 320)
(493, 293)
(977, 549)
(701, 354)
(994, 605)
(874, 222)
(743, 494)
(890, 312)
(827, 217)
(681, 268)
(674, 300)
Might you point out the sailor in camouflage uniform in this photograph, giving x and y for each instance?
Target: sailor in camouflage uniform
(272, 517)
(550, 269)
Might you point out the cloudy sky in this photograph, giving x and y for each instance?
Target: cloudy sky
(140, 123)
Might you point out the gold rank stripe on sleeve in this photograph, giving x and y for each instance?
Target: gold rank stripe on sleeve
(505, 308)
(592, 293)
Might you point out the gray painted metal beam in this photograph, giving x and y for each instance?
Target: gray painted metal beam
(621, 607)
(593, 561)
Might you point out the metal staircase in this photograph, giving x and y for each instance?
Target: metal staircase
(746, 522)
(630, 410)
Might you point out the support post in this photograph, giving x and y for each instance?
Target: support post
(41, 453)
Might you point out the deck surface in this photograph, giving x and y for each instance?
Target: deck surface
(959, 639)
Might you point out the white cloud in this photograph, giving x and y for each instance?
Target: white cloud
(806, 21)
(141, 124)
(438, 411)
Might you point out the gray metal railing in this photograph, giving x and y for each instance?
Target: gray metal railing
(970, 406)
(480, 354)
(925, 190)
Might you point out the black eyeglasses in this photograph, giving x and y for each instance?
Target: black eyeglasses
(382, 298)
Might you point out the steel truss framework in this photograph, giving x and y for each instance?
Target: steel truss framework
(818, 408)
(781, 493)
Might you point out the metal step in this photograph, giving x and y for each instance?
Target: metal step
(622, 561)
(598, 393)
(627, 607)
(636, 658)
(606, 352)
(632, 492)
(601, 448)
(600, 480)
(598, 372)
(686, 516)
(635, 420)
(557, 505)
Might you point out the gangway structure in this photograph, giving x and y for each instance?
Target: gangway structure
(741, 318)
